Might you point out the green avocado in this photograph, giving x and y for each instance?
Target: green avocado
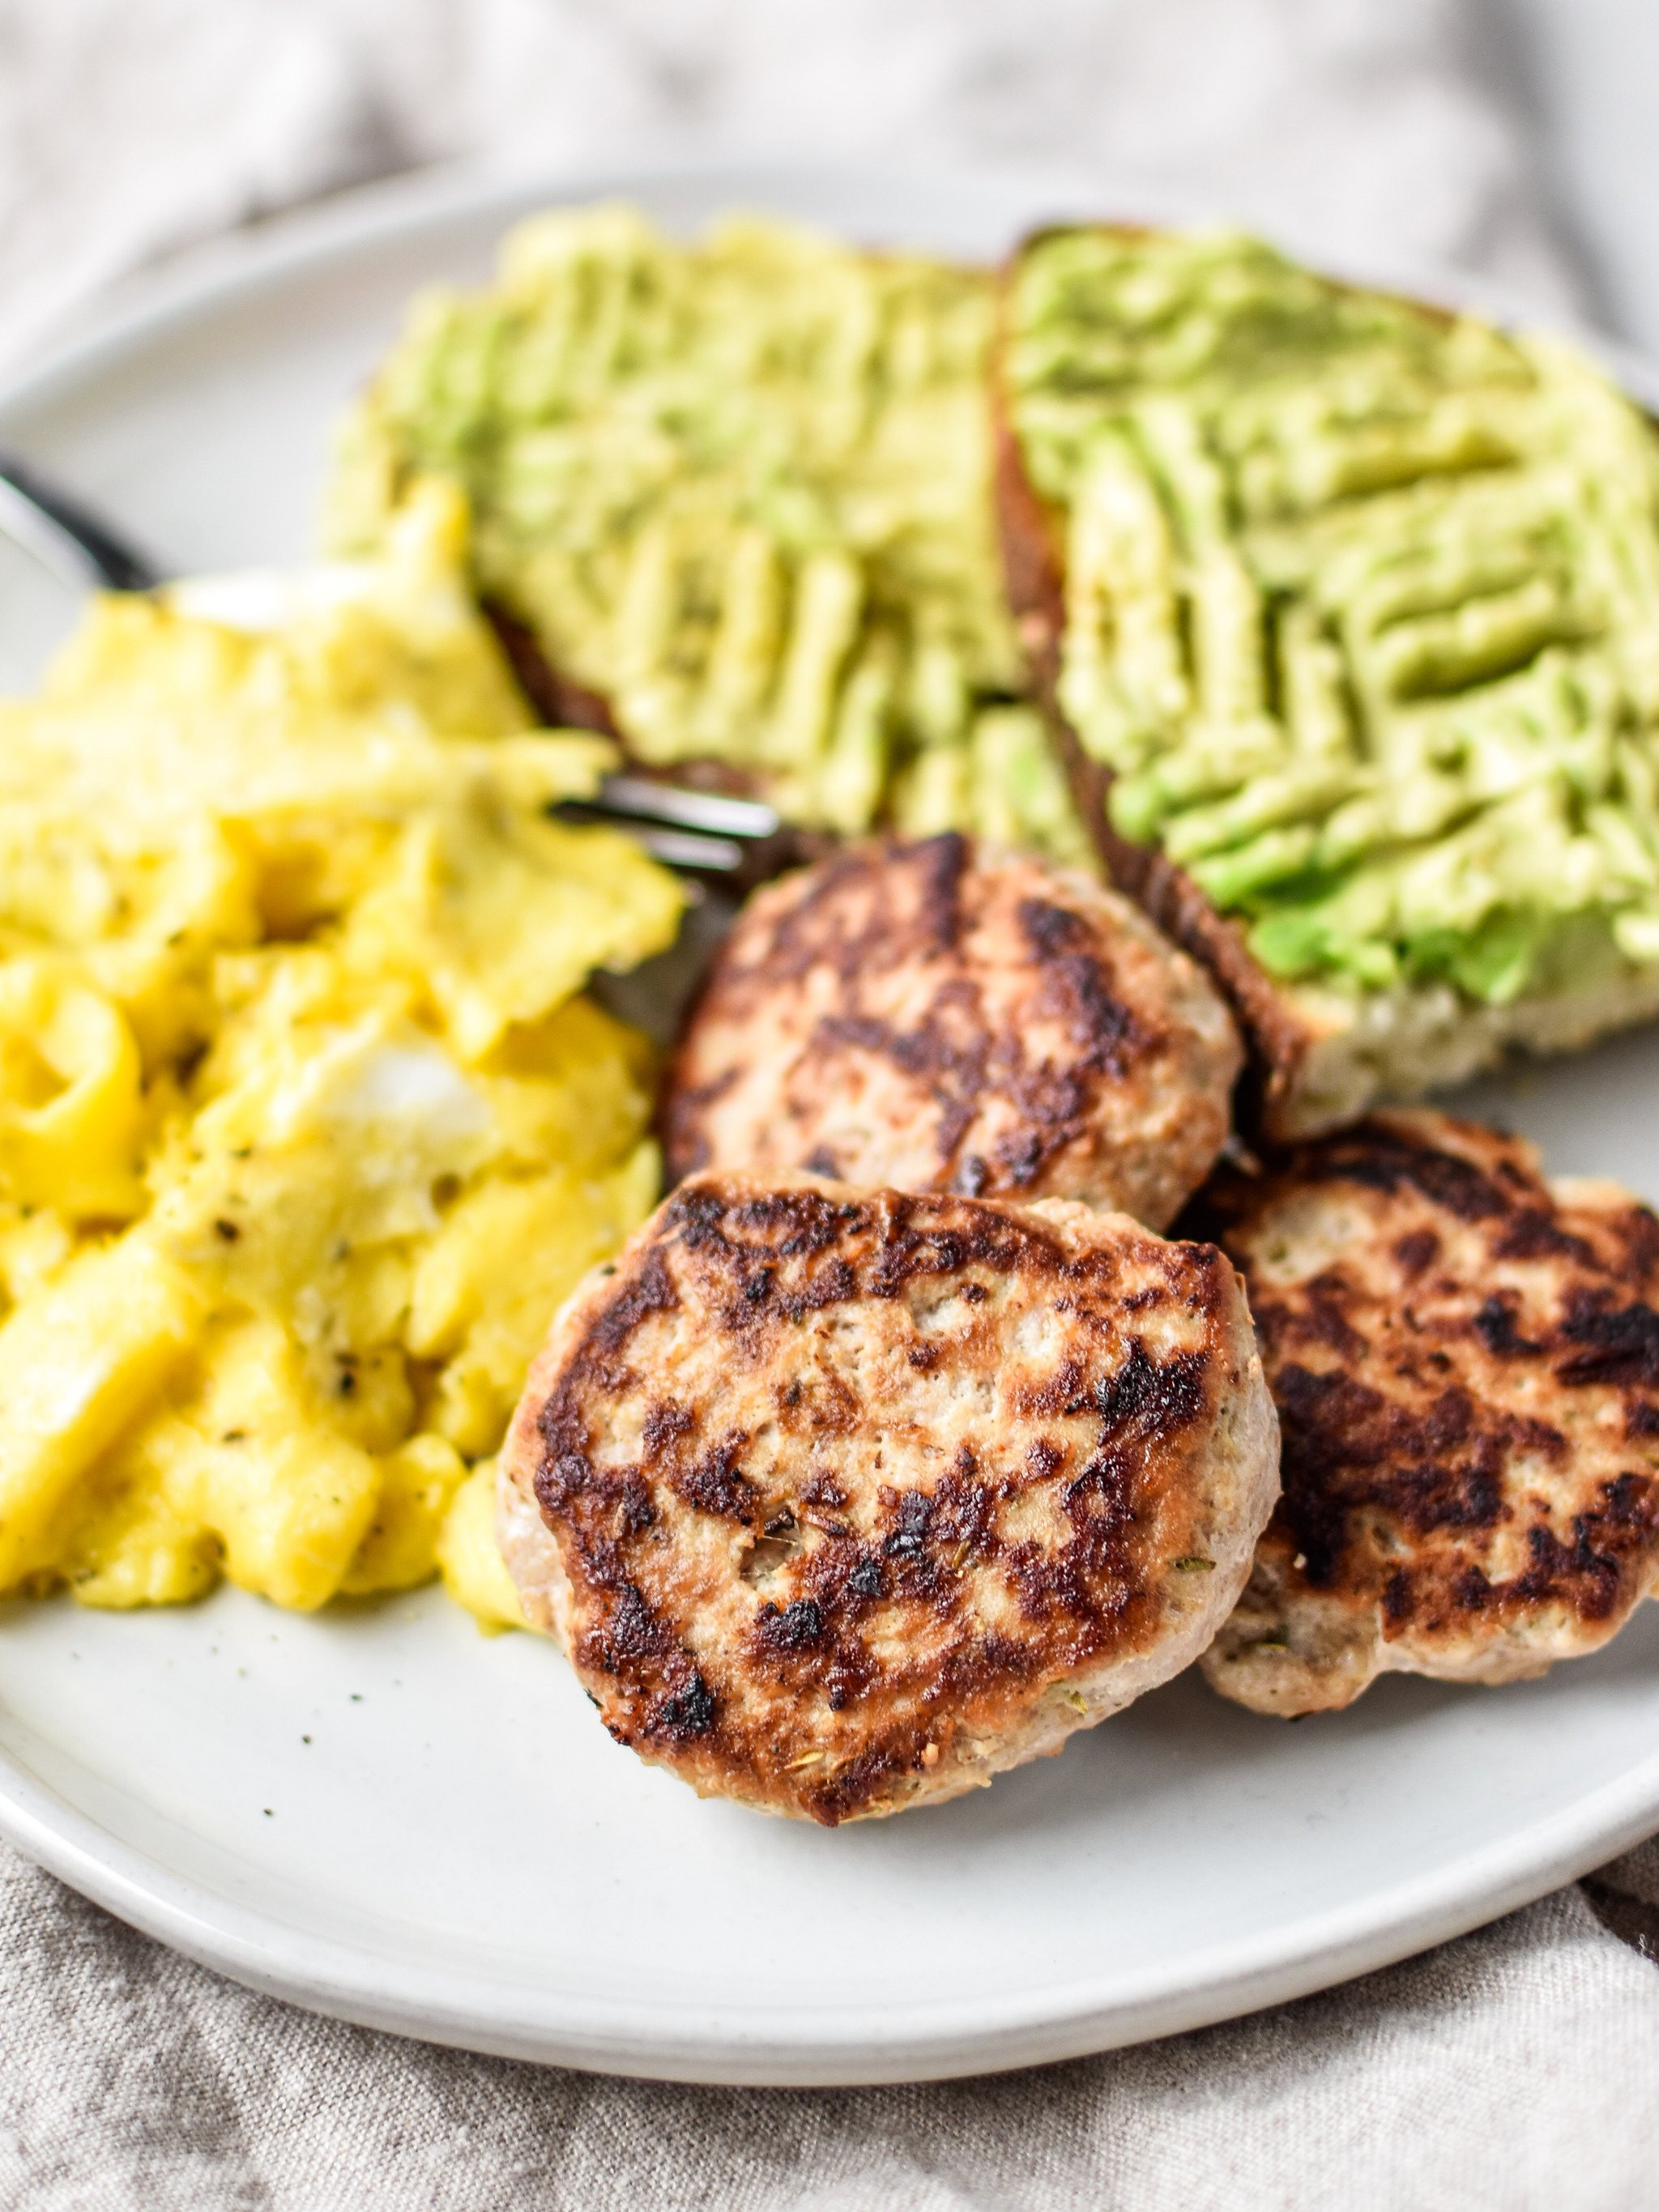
(1363, 609)
(742, 490)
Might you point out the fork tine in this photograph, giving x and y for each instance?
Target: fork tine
(701, 833)
(639, 800)
(685, 848)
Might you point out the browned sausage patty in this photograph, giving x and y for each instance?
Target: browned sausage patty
(1466, 1364)
(929, 1016)
(843, 1500)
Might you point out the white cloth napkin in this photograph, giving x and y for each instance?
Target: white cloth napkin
(1513, 2069)
(128, 127)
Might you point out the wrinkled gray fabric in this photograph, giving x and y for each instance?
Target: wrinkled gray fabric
(1359, 127)
(1515, 2069)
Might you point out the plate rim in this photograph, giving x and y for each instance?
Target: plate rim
(777, 2047)
(687, 2041)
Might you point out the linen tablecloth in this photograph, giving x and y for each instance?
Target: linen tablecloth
(1518, 2067)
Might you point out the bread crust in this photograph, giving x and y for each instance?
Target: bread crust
(1465, 1363)
(565, 704)
(843, 1501)
(561, 702)
(1032, 535)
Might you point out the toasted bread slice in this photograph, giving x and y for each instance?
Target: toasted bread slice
(1323, 1047)
(842, 1501)
(565, 704)
(1466, 1364)
(730, 503)
(936, 1016)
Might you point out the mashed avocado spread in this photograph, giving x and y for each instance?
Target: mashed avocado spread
(741, 489)
(1362, 609)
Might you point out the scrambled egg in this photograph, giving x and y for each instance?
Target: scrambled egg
(304, 1127)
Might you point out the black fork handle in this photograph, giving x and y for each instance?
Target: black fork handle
(77, 545)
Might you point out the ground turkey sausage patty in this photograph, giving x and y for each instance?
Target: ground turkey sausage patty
(1466, 1364)
(939, 1018)
(844, 1500)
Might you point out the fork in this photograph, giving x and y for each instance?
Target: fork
(697, 833)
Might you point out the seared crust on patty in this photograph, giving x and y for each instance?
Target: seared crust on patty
(1466, 1364)
(937, 1017)
(841, 1501)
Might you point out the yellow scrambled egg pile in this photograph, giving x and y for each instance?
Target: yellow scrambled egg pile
(305, 1129)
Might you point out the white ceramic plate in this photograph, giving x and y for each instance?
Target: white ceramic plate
(382, 1814)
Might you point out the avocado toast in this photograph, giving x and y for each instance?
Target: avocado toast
(731, 504)
(1345, 613)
